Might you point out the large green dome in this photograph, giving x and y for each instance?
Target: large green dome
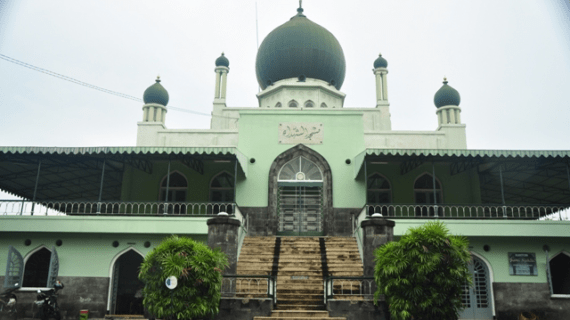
(446, 96)
(156, 94)
(300, 47)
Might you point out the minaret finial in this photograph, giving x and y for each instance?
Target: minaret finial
(300, 9)
(445, 80)
(158, 78)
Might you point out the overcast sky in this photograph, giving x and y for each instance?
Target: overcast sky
(509, 60)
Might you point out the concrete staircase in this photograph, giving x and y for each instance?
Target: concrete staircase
(299, 315)
(298, 265)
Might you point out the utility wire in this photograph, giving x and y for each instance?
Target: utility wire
(85, 84)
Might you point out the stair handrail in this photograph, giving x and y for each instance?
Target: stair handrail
(271, 283)
(329, 284)
(357, 230)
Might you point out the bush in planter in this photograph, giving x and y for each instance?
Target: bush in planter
(423, 274)
(199, 273)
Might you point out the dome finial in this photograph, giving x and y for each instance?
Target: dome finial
(300, 9)
(445, 80)
(157, 78)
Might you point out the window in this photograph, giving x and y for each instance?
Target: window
(36, 270)
(309, 104)
(424, 194)
(323, 105)
(176, 192)
(278, 105)
(293, 104)
(222, 190)
(300, 169)
(377, 193)
(560, 274)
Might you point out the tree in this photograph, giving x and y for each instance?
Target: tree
(423, 274)
(198, 270)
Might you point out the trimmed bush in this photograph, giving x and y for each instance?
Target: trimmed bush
(423, 274)
(199, 273)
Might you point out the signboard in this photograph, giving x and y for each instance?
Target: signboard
(171, 282)
(522, 264)
(301, 132)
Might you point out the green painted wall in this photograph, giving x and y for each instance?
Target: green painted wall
(343, 139)
(81, 255)
(459, 188)
(141, 186)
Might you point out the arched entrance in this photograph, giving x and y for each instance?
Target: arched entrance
(126, 294)
(478, 298)
(300, 193)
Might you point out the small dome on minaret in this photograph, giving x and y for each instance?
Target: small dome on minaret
(156, 94)
(446, 96)
(380, 62)
(222, 61)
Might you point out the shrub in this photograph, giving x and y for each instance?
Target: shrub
(199, 273)
(423, 274)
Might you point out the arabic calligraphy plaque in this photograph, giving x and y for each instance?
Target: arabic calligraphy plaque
(301, 132)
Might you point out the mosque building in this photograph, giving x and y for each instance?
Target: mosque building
(299, 164)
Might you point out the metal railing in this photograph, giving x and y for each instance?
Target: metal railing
(357, 231)
(471, 211)
(249, 286)
(349, 288)
(242, 232)
(25, 207)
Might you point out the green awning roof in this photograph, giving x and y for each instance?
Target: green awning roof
(518, 176)
(443, 154)
(74, 173)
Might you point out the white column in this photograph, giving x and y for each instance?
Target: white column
(378, 87)
(145, 114)
(457, 116)
(385, 85)
(217, 93)
(224, 82)
(452, 115)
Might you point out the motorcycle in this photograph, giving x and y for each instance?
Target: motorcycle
(47, 302)
(8, 302)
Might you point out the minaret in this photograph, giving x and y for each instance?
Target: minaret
(222, 70)
(380, 71)
(447, 101)
(155, 100)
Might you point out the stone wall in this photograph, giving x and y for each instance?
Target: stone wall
(79, 293)
(244, 308)
(358, 309)
(513, 298)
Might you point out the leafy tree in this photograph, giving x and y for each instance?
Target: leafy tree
(423, 274)
(199, 273)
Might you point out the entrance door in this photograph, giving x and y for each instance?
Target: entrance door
(477, 299)
(126, 297)
(300, 210)
(300, 198)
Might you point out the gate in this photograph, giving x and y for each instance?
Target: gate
(477, 299)
(300, 209)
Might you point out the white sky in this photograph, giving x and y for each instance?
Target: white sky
(509, 60)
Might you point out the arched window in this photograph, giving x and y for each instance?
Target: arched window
(36, 270)
(300, 169)
(323, 105)
(378, 192)
(309, 104)
(177, 186)
(222, 190)
(278, 105)
(293, 104)
(560, 273)
(176, 189)
(424, 194)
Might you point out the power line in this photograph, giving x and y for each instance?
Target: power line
(88, 85)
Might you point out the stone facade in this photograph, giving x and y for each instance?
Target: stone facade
(511, 299)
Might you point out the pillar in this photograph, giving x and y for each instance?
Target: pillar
(223, 233)
(377, 232)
